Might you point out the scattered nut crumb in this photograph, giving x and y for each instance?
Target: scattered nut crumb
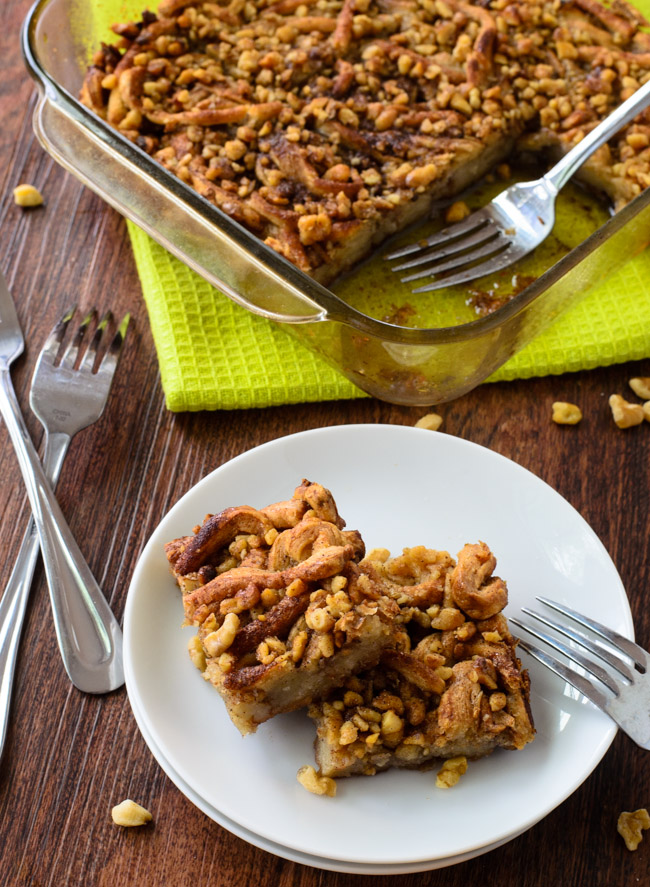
(128, 814)
(27, 195)
(566, 413)
(625, 414)
(197, 654)
(457, 212)
(630, 825)
(316, 784)
(646, 410)
(640, 385)
(451, 771)
(432, 422)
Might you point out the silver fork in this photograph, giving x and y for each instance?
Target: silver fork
(65, 400)
(514, 223)
(624, 691)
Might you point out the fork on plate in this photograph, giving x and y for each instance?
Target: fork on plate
(514, 223)
(68, 393)
(622, 689)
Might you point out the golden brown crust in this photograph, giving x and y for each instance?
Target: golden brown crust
(323, 128)
(453, 687)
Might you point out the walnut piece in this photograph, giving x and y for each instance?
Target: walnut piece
(451, 771)
(566, 413)
(129, 814)
(317, 785)
(640, 385)
(27, 195)
(625, 414)
(630, 825)
(432, 422)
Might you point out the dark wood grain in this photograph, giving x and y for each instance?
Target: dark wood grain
(70, 757)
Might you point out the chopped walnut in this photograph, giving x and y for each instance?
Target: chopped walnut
(316, 784)
(451, 771)
(625, 414)
(630, 826)
(641, 386)
(457, 212)
(27, 195)
(566, 413)
(129, 814)
(432, 422)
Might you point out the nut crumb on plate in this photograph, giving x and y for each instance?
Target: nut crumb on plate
(630, 826)
(129, 814)
(566, 413)
(625, 414)
(451, 771)
(316, 784)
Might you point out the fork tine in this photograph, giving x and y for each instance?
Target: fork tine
(582, 684)
(53, 342)
(592, 646)
(474, 238)
(451, 231)
(88, 360)
(496, 243)
(502, 260)
(573, 655)
(634, 651)
(111, 357)
(69, 357)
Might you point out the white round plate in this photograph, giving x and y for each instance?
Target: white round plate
(318, 862)
(399, 486)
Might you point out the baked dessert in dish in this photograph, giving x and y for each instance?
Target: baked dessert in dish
(323, 126)
(282, 610)
(452, 686)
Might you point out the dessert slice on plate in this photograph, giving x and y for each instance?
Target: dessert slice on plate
(283, 612)
(452, 687)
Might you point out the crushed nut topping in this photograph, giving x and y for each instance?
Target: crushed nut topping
(27, 195)
(324, 125)
(431, 421)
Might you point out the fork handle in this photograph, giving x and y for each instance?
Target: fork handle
(89, 636)
(13, 603)
(560, 174)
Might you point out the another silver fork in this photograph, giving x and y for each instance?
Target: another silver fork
(625, 696)
(514, 223)
(65, 400)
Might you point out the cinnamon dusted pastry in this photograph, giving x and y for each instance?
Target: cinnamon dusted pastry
(325, 125)
(452, 687)
(282, 610)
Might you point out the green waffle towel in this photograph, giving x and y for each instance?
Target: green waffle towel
(214, 354)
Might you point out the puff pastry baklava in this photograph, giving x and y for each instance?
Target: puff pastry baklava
(323, 126)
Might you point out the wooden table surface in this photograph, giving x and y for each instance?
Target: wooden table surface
(70, 757)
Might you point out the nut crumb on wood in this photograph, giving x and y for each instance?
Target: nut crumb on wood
(315, 783)
(646, 410)
(640, 385)
(625, 414)
(27, 195)
(630, 826)
(566, 413)
(432, 422)
(129, 814)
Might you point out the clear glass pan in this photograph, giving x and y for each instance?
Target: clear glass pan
(394, 363)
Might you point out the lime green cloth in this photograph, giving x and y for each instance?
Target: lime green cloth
(214, 354)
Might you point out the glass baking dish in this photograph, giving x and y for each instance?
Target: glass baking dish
(400, 364)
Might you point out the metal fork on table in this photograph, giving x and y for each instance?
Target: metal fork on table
(624, 691)
(514, 223)
(65, 398)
